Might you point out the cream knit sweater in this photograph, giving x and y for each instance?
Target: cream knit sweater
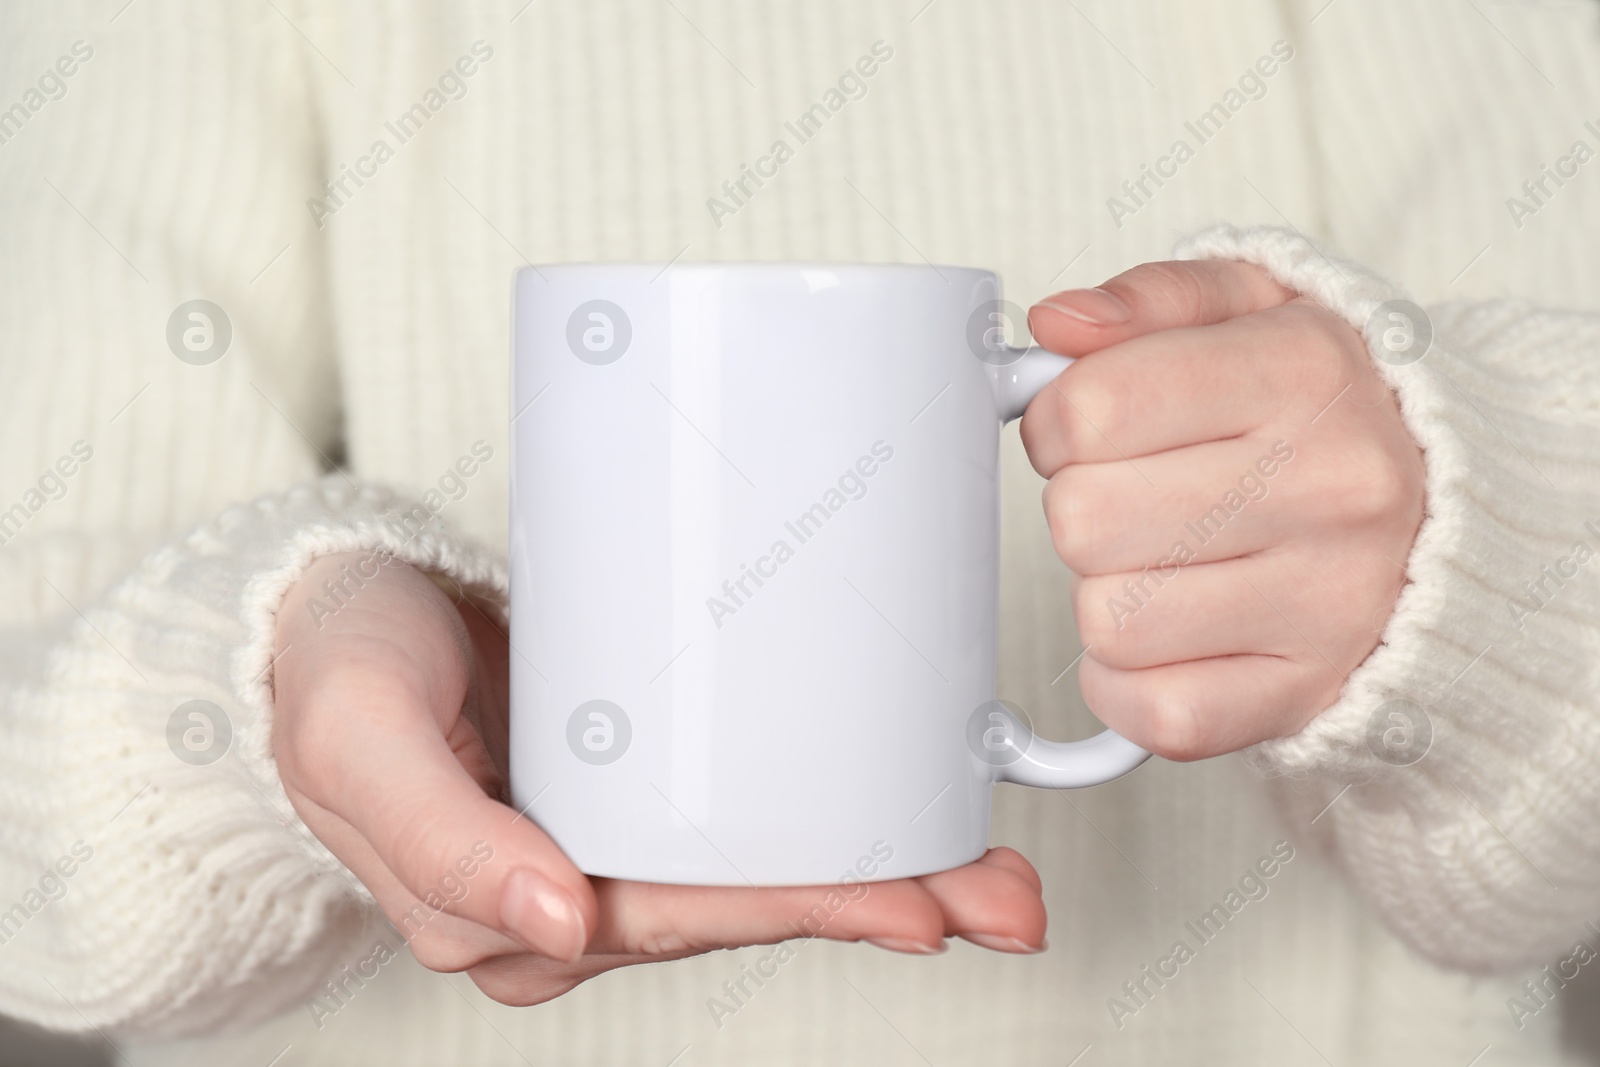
(153, 509)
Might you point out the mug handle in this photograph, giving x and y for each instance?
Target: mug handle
(1037, 761)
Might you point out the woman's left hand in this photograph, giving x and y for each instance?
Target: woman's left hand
(1230, 480)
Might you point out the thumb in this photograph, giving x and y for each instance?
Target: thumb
(1151, 297)
(448, 843)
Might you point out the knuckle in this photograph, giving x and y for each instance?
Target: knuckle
(1377, 486)
(1154, 714)
(1308, 338)
(1100, 626)
(1169, 287)
(1095, 407)
(1305, 315)
(1326, 347)
(1173, 730)
(1039, 438)
(1071, 511)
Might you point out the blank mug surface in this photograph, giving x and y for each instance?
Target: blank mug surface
(755, 565)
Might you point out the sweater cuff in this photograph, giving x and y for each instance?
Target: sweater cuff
(1503, 499)
(198, 900)
(1420, 631)
(1470, 733)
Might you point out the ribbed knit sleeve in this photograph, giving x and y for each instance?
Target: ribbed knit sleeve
(155, 168)
(171, 886)
(1456, 777)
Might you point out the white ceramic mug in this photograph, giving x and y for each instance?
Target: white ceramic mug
(755, 570)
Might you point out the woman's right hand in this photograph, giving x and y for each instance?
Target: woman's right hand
(390, 733)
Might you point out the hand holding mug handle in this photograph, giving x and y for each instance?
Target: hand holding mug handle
(1029, 759)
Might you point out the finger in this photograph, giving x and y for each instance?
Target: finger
(1150, 297)
(1201, 504)
(636, 917)
(433, 825)
(991, 904)
(1192, 384)
(1134, 621)
(1310, 602)
(1204, 708)
(524, 979)
(1012, 860)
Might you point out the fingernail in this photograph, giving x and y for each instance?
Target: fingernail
(543, 916)
(914, 948)
(1097, 307)
(1007, 944)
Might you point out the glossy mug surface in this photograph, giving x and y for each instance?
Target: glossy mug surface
(755, 570)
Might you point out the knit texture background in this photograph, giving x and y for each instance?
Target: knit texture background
(186, 158)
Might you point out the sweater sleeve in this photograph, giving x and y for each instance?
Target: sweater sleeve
(1455, 779)
(166, 884)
